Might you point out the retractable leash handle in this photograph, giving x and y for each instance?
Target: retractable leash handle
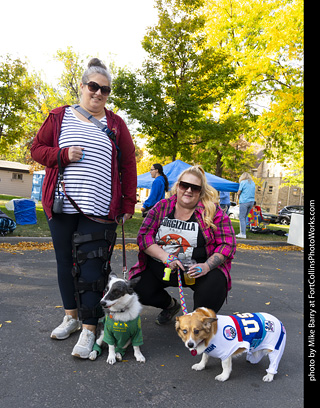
(166, 275)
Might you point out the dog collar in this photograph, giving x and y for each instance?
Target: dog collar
(112, 312)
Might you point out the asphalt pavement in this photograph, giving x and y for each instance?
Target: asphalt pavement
(39, 372)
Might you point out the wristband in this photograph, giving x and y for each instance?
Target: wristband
(170, 259)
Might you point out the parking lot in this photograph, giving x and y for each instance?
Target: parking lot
(37, 371)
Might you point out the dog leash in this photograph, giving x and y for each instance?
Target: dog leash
(181, 294)
(124, 256)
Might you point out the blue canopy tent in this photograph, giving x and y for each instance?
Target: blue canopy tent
(173, 170)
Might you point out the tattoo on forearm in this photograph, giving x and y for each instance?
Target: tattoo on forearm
(215, 260)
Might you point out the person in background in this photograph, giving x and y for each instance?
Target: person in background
(188, 225)
(159, 187)
(246, 194)
(255, 215)
(91, 177)
(225, 201)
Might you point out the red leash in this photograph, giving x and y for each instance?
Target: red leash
(124, 256)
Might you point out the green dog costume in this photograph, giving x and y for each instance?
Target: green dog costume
(118, 333)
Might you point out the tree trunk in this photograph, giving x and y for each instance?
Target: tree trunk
(219, 164)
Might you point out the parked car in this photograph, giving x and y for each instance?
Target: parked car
(269, 217)
(286, 212)
(233, 210)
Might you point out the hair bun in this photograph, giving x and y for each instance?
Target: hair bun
(95, 62)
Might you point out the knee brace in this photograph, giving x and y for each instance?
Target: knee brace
(80, 257)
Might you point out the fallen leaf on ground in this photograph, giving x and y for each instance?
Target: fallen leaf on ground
(283, 248)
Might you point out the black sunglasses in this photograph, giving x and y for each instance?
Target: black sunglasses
(183, 185)
(94, 87)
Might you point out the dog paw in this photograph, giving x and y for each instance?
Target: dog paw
(111, 360)
(93, 355)
(221, 377)
(198, 367)
(140, 358)
(118, 357)
(268, 378)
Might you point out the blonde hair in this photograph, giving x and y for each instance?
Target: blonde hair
(208, 195)
(245, 176)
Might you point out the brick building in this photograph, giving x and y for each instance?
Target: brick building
(270, 194)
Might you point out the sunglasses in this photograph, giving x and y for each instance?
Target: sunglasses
(94, 87)
(183, 185)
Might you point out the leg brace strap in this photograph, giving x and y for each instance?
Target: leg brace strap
(98, 286)
(85, 312)
(102, 253)
(80, 257)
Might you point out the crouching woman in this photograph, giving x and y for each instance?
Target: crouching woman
(187, 226)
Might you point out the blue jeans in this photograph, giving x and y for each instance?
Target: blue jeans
(244, 209)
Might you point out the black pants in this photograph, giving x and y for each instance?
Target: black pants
(62, 227)
(209, 291)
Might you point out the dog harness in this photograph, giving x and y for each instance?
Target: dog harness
(118, 333)
(252, 331)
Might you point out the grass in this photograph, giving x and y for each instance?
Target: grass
(263, 237)
(41, 229)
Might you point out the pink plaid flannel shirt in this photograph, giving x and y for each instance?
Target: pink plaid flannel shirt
(221, 241)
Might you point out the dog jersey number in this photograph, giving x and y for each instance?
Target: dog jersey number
(250, 327)
(246, 323)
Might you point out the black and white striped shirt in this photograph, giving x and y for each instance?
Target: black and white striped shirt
(87, 182)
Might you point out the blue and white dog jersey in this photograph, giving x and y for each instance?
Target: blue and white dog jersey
(252, 331)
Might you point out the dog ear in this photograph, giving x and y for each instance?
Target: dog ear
(131, 284)
(177, 322)
(134, 281)
(207, 321)
(112, 275)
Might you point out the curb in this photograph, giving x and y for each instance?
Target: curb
(14, 240)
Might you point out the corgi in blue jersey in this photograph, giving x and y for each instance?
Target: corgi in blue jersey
(257, 334)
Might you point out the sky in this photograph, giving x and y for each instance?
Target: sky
(34, 30)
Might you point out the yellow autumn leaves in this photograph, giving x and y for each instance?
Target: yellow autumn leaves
(20, 247)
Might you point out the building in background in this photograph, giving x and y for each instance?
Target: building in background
(271, 194)
(15, 179)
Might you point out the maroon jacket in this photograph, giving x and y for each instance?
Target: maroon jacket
(45, 149)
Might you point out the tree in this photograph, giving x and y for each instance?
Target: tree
(26, 101)
(70, 79)
(265, 42)
(183, 80)
(16, 97)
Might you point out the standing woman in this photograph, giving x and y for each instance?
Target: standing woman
(158, 189)
(246, 195)
(92, 180)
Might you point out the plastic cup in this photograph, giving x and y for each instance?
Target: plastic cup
(187, 263)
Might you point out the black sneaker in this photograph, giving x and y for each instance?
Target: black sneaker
(167, 314)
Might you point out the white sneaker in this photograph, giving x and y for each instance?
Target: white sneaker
(68, 326)
(85, 344)
(241, 236)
